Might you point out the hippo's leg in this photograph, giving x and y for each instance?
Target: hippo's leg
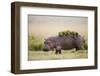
(58, 50)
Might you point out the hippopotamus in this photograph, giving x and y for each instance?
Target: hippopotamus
(63, 43)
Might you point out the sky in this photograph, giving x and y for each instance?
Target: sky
(46, 26)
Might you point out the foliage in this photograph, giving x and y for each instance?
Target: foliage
(67, 33)
(34, 43)
(85, 46)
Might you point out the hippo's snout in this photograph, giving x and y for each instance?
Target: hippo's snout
(46, 48)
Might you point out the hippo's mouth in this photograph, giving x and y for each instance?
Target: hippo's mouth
(46, 50)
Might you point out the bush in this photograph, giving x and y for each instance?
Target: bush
(85, 46)
(34, 43)
(61, 34)
(67, 33)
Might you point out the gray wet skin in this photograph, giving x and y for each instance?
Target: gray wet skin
(63, 43)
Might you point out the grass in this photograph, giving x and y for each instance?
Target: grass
(66, 54)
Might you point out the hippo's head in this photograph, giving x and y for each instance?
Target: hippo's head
(48, 45)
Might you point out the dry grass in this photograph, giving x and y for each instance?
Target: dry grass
(66, 54)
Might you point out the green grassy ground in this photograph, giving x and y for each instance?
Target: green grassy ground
(66, 54)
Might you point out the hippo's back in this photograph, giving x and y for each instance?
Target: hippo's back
(66, 42)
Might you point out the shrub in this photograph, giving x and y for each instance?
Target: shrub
(34, 43)
(67, 33)
(85, 46)
(61, 34)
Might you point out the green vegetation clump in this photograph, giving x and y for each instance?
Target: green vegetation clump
(85, 47)
(67, 33)
(34, 44)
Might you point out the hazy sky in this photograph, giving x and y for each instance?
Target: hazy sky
(46, 26)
